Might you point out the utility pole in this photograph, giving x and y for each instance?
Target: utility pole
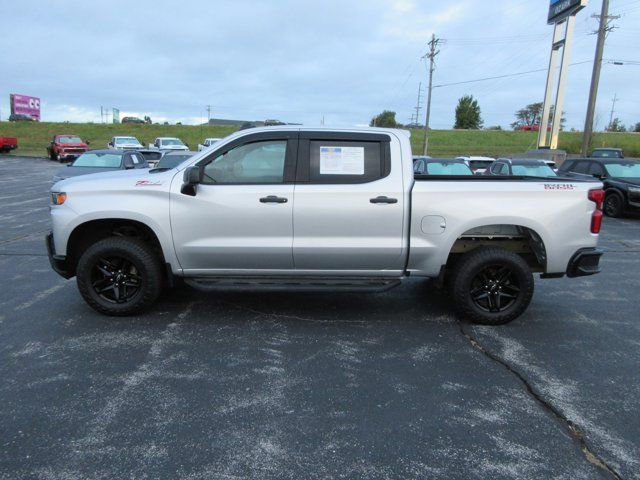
(603, 29)
(101, 114)
(208, 114)
(431, 55)
(613, 108)
(418, 105)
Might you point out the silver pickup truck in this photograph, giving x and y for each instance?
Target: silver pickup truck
(317, 209)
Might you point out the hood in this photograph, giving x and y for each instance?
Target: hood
(175, 147)
(114, 179)
(72, 145)
(70, 172)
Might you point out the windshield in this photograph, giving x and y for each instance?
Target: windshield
(607, 154)
(69, 140)
(476, 164)
(172, 141)
(625, 170)
(99, 160)
(448, 168)
(126, 140)
(171, 161)
(533, 170)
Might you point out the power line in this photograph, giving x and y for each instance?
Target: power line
(502, 76)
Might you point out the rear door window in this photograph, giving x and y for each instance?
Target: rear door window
(337, 161)
(580, 167)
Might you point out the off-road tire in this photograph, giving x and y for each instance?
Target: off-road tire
(466, 272)
(146, 262)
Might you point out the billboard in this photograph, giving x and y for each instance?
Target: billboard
(116, 115)
(25, 105)
(561, 9)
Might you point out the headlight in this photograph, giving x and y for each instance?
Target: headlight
(58, 198)
(634, 189)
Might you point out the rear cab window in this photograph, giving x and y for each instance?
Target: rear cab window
(342, 158)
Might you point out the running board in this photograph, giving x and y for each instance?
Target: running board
(298, 284)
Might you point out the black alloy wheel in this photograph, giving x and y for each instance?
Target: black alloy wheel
(495, 288)
(115, 279)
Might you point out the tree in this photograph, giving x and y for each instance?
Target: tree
(147, 120)
(616, 126)
(528, 118)
(636, 128)
(386, 119)
(468, 114)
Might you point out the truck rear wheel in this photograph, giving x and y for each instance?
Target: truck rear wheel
(119, 276)
(491, 286)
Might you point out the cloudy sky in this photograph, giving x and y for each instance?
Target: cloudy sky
(300, 61)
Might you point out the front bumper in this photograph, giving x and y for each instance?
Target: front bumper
(58, 262)
(585, 261)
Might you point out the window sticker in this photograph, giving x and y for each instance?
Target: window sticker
(341, 160)
(135, 159)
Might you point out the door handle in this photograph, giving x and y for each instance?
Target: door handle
(384, 200)
(273, 199)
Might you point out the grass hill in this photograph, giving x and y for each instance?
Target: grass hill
(33, 138)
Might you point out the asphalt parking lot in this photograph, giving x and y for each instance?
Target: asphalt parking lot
(221, 385)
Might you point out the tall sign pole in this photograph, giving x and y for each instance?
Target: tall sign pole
(562, 13)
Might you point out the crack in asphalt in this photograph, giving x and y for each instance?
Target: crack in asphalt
(574, 430)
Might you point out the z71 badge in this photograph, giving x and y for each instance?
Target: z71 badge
(559, 186)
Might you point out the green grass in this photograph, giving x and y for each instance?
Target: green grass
(33, 138)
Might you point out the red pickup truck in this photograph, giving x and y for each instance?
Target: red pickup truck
(66, 147)
(7, 144)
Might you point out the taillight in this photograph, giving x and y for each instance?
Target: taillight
(596, 196)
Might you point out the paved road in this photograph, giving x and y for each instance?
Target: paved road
(311, 386)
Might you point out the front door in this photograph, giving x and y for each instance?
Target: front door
(241, 217)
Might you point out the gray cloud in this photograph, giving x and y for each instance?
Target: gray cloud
(297, 60)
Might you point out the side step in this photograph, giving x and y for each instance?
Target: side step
(298, 284)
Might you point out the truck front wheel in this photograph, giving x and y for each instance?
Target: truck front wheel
(119, 276)
(491, 286)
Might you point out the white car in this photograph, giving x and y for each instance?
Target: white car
(168, 143)
(124, 143)
(207, 143)
(478, 165)
(320, 209)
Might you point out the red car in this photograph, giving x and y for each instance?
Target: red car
(66, 147)
(7, 144)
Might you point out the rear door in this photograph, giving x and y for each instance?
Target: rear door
(240, 220)
(349, 204)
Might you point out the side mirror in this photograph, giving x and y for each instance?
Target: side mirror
(192, 177)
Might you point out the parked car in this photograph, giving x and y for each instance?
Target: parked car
(7, 144)
(440, 166)
(132, 120)
(168, 143)
(66, 147)
(621, 180)
(273, 123)
(525, 167)
(97, 161)
(319, 209)
(151, 156)
(173, 159)
(607, 153)
(478, 165)
(20, 117)
(207, 143)
(125, 143)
